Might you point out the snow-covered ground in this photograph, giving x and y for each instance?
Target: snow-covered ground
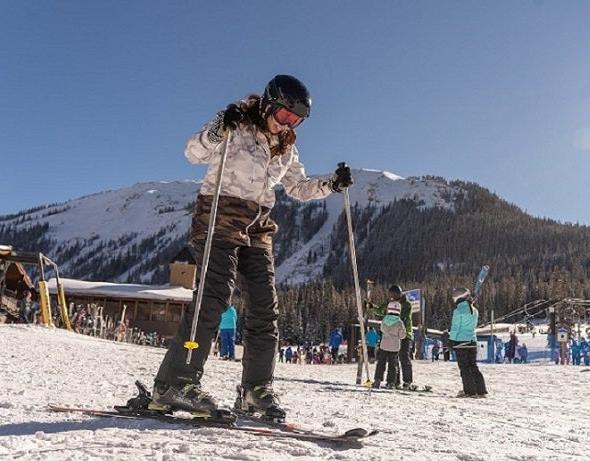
(534, 412)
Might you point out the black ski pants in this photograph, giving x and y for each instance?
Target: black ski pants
(405, 360)
(391, 360)
(473, 381)
(259, 324)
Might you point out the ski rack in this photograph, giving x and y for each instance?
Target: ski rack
(8, 254)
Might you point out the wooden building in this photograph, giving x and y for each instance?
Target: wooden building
(150, 308)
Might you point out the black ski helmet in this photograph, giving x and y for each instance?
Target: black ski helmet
(288, 92)
(395, 290)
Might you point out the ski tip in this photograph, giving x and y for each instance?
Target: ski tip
(54, 407)
(358, 433)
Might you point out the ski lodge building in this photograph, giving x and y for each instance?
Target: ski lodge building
(148, 307)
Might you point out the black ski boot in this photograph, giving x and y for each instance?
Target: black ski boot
(199, 404)
(189, 397)
(260, 400)
(376, 384)
(409, 387)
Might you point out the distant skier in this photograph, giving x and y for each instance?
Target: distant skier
(27, 309)
(393, 332)
(396, 295)
(372, 341)
(499, 348)
(513, 347)
(336, 339)
(445, 346)
(585, 351)
(289, 354)
(464, 343)
(227, 332)
(576, 349)
(435, 350)
(261, 155)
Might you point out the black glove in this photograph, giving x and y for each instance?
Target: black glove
(342, 178)
(232, 117)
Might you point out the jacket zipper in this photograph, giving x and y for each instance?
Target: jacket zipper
(263, 189)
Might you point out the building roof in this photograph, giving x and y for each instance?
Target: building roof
(122, 290)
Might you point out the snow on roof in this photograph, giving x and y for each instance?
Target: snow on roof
(122, 290)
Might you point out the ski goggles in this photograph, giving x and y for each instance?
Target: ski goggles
(286, 117)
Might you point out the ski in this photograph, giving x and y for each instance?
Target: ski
(419, 390)
(408, 391)
(481, 278)
(351, 437)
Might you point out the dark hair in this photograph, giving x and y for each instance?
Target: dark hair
(252, 108)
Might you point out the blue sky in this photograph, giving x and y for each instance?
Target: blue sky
(101, 95)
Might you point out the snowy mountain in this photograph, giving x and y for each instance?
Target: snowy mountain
(129, 235)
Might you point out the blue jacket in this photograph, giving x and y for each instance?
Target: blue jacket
(372, 338)
(464, 323)
(229, 319)
(336, 338)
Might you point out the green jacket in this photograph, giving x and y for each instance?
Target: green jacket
(380, 310)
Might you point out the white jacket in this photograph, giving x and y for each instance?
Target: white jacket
(250, 172)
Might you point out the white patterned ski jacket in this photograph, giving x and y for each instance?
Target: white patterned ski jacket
(247, 192)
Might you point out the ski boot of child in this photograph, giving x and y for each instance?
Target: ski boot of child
(409, 387)
(390, 386)
(190, 398)
(260, 400)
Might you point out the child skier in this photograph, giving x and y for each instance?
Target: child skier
(261, 154)
(393, 331)
(464, 343)
(397, 295)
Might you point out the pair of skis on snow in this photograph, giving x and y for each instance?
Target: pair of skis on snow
(235, 420)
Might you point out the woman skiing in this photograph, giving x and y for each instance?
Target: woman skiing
(464, 342)
(261, 154)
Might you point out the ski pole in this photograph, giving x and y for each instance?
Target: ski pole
(359, 370)
(192, 344)
(357, 287)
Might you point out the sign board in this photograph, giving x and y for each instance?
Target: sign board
(415, 298)
(562, 335)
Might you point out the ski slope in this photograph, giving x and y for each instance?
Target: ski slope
(534, 412)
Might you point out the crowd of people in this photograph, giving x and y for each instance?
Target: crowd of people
(576, 351)
(88, 319)
(309, 354)
(392, 347)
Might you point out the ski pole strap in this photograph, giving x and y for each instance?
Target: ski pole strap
(468, 345)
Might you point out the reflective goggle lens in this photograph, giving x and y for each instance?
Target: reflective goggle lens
(286, 117)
